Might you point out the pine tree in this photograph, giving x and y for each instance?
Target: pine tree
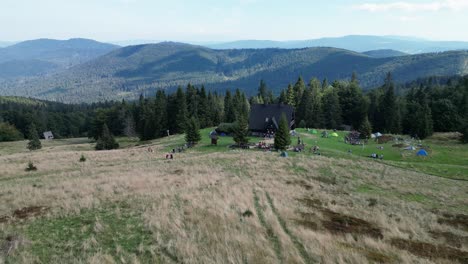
(229, 112)
(192, 131)
(282, 99)
(160, 114)
(331, 109)
(263, 93)
(106, 141)
(299, 88)
(282, 137)
(241, 131)
(203, 109)
(34, 142)
(366, 128)
(389, 107)
(290, 96)
(181, 114)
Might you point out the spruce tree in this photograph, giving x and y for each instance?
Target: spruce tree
(389, 107)
(282, 137)
(366, 128)
(229, 111)
(241, 131)
(331, 109)
(192, 131)
(181, 114)
(263, 93)
(290, 96)
(34, 142)
(160, 113)
(106, 141)
(299, 88)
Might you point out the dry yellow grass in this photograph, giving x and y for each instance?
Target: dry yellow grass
(304, 209)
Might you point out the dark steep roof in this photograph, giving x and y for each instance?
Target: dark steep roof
(262, 114)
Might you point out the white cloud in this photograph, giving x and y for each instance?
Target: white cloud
(434, 6)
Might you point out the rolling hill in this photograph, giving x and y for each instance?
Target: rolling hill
(384, 53)
(358, 43)
(42, 56)
(129, 71)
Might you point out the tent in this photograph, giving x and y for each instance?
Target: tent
(410, 148)
(314, 131)
(334, 135)
(378, 134)
(422, 152)
(373, 136)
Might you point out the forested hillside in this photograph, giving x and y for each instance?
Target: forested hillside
(42, 56)
(130, 71)
(422, 108)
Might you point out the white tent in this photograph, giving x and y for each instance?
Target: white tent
(378, 134)
(373, 136)
(410, 148)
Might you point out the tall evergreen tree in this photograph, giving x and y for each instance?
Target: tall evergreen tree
(282, 137)
(389, 107)
(263, 93)
(331, 109)
(203, 109)
(241, 131)
(192, 132)
(290, 96)
(229, 111)
(299, 88)
(181, 115)
(366, 128)
(34, 142)
(160, 113)
(283, 99)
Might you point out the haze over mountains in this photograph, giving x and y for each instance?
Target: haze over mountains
(358, 43)
(80, 70)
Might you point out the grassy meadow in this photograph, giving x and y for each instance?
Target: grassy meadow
(212, 204)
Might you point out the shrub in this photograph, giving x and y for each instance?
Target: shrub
(302, 124)
(82, 158)
(9, 133)
(226, 128)
(31, 167)
(106, 141)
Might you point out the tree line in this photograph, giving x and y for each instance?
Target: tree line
(417, 109)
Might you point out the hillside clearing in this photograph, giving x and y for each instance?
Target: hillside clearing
(212, 204)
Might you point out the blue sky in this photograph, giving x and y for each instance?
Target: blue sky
(226, 20)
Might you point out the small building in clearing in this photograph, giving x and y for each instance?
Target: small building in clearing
(265, 118)
(48, 135)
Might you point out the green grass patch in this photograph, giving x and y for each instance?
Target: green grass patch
(370, 189)
(116, 231)
(415, 197)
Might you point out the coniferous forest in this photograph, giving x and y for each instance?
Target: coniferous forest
(417, 109)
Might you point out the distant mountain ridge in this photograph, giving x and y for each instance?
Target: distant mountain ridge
(130, 71)
(43, 56)
(385, 53)
(358, 43)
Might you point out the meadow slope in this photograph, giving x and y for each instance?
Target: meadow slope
(215, 205)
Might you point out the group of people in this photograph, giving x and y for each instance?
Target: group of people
(263, 145)
(376, 156)
(315, 150)
(269, 134)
